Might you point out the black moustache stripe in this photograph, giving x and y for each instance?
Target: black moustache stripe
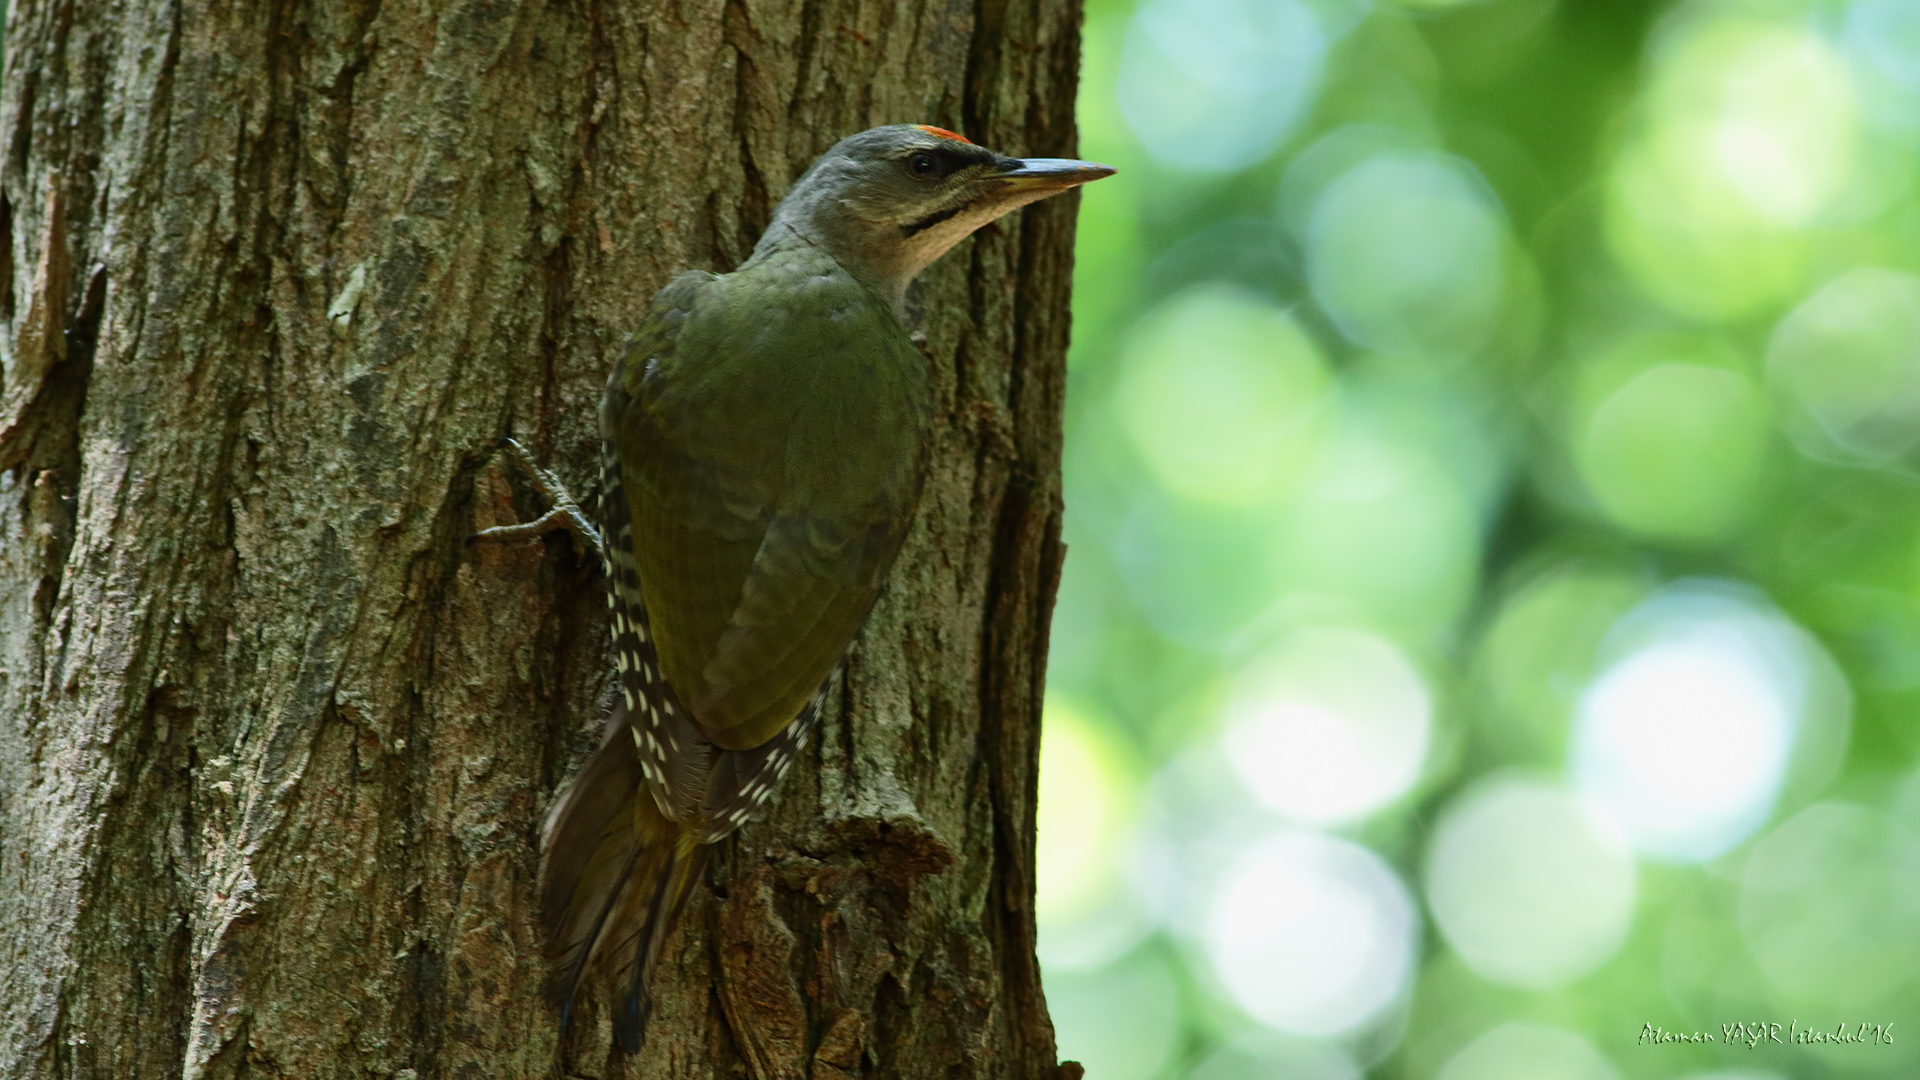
(932, 219)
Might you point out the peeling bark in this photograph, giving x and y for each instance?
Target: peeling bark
(275, 740)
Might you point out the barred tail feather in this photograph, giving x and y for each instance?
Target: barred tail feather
(615, 873)
(589, 851)
(651, 906)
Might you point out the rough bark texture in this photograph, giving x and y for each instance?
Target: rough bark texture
(275, 741)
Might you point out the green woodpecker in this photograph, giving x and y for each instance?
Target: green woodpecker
(765, 443)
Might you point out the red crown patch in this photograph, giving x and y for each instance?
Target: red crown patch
(944, 133)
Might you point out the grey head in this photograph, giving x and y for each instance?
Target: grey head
(889, 201)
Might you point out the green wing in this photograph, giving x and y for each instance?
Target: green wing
(771, 459)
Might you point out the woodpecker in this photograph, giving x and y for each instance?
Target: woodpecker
(764, 448)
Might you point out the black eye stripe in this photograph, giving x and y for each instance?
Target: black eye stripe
(947, 160)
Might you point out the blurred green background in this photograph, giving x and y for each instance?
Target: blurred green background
(1492, 617)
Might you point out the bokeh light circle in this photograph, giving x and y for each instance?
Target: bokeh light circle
(1083, 817)
(1782, 140)
(1197, 823)
(1311, 935)
(1328, 158)
(1531, 885)
(1539, 653)
(1750, 133)
(1677, 451)
(1522, 1051)
(1825, 909)
(1886, 34)
(1848, 359)
(1223, 395)
(1122, 1021)
(1380, 529)
(1404, 251)
(1214, 85)
(1198, 573)
(1684, 738)
(1329, 726)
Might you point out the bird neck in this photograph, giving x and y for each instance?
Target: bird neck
(856, 245)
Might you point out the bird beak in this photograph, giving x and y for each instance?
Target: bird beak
(1050, 174)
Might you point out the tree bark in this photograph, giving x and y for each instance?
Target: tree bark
(275, 740)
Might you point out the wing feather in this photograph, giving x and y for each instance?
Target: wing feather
(762, 539)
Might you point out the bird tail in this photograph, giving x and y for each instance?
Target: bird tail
(614, 875)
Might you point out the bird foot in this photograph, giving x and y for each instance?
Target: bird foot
(565, 514)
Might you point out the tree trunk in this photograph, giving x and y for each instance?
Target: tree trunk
(275, 740)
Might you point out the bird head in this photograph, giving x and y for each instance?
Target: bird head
(889, 201)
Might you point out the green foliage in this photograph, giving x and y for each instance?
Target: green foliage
(1563, 358)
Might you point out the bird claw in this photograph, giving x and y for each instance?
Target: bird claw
(565, 513)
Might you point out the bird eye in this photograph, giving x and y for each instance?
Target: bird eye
(922, 164)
